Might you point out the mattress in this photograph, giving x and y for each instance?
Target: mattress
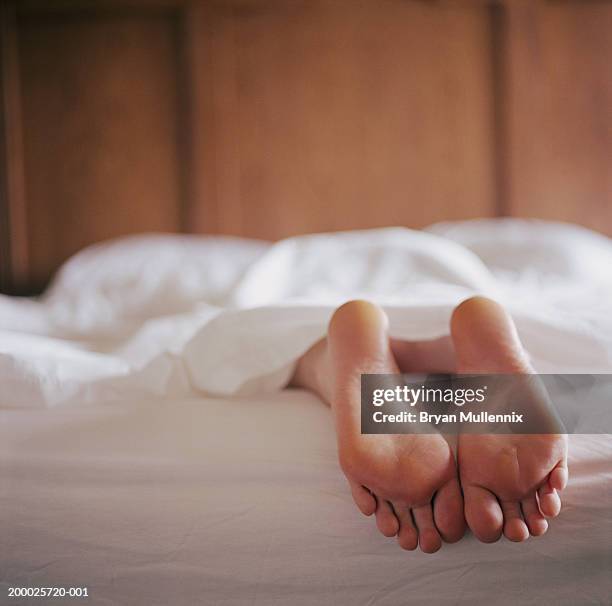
(241, 501)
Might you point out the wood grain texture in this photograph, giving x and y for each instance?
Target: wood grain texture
(13, 225)
(100, 129)
(339, 115)
(269, 118)
(559, 112)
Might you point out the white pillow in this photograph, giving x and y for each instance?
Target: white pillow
(109, 286)
(547, 250)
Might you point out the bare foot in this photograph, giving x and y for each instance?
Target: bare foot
(509, 482)
(409, 481)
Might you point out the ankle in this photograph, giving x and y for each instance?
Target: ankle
(313, 371)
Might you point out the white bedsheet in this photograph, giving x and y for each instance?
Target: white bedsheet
(217, 502)
(175, 316)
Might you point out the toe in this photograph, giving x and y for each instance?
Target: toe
(429, 537)
(515, 528)
(407, 537)
(448, 512)
(483, 514)
(559, 476)
(363, 498)
(550, 503)
(385, 518)
(536, 522)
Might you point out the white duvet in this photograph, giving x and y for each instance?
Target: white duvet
(174, 316)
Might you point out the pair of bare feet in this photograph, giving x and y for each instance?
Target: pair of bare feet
(413, 484)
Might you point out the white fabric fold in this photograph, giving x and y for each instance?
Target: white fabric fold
(166, 316)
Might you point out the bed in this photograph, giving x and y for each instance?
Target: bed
(150, 451)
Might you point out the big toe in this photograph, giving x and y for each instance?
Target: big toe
(483, 514)
(485, 339)
(448, 511)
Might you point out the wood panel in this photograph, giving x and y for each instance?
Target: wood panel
(320, 115)
(13, 227)
(559, 112)
(100, 125)
(286, 117)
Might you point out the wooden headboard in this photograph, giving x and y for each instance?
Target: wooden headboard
(268, 118)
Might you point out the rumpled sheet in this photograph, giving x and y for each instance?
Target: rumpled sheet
(173, 316)
(226, 503)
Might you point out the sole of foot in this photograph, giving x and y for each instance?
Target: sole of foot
(409, 482)
(510, 482)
